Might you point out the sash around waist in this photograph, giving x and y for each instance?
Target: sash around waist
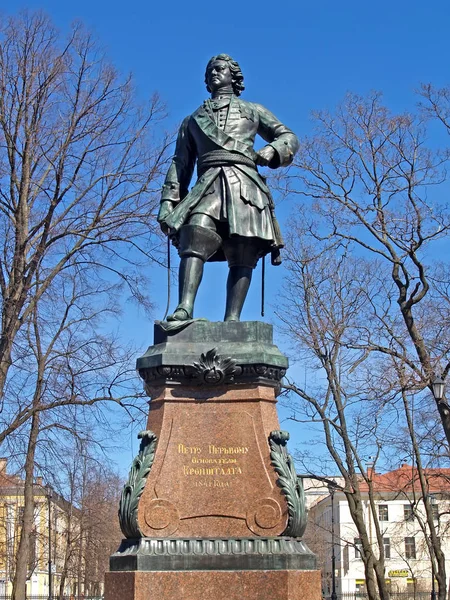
(221, 158)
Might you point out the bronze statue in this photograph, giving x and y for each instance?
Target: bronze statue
(228, 214)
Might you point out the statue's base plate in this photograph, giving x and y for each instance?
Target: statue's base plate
(218, 554)
(176, 357)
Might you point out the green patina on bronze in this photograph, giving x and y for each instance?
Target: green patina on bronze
(289, 483)
(213, 369)
(212, 554)
(228, 214)
(243, 352)
(132, 490)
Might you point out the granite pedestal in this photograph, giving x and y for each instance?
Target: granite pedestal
(213, 508)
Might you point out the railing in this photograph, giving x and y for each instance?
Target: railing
(55, 597)
(344, 596)
(393, 596)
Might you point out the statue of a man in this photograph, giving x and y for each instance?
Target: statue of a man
(228, 214)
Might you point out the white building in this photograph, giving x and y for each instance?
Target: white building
(399, 509)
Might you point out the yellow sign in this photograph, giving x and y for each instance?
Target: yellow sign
(399, 573)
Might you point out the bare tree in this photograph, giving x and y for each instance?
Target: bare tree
(79, 166)
(67, 362)
(324, 296)
(374, 186)
(103, 533)
(436, 103)
(359, 403)
(80, 163)
(364, 301)
(91, 530)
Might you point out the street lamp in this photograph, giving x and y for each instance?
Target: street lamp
(332, 488)
(437, 385)
(50, 582)
(433, 502)
(433, 589)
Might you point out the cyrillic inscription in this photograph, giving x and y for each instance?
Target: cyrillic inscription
(216, 465)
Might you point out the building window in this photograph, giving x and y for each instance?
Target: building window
(383, 513)
(435, 511)
(408, 512)
(346, 558)
(358, 547)
(387, 547)
(20, 513)
(410, 547)
(360, 586)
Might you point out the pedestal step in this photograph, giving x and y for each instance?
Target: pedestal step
(218, 554)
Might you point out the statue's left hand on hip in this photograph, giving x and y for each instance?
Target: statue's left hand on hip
(265, 155)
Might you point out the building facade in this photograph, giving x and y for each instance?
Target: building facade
(55, 522)
(399, 512)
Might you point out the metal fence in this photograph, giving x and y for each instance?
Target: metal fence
(393, 596)
(55, 597)
(345, 596)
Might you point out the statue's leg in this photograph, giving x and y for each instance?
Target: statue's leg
(238, 283)
(197, 243)
(189, 279)
(242, 255)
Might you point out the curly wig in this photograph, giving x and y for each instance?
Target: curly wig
(237, 78)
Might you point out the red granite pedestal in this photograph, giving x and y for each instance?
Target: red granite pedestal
(214, 585)
(213, 516)
(212, 475)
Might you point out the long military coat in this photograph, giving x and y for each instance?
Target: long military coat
(231, 193)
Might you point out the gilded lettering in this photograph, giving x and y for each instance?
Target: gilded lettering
(182, 449)
(215, 461)
(208, 483)
(212, 449)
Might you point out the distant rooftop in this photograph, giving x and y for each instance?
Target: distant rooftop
(406, 479)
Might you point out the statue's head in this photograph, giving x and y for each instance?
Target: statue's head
(237, 79)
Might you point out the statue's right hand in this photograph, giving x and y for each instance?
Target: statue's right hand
(164, 210)
(164, 227)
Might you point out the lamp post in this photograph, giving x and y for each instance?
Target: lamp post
(437, 385)
(332, 488)
(50, 574)
(433, 502)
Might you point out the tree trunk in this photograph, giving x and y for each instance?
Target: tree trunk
(68, 549)
(23, 552)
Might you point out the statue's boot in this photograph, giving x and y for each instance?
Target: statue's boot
(238, 283)
(242, 254)
(196, 245)
(189, 279)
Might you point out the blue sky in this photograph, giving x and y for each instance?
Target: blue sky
(296, 57)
